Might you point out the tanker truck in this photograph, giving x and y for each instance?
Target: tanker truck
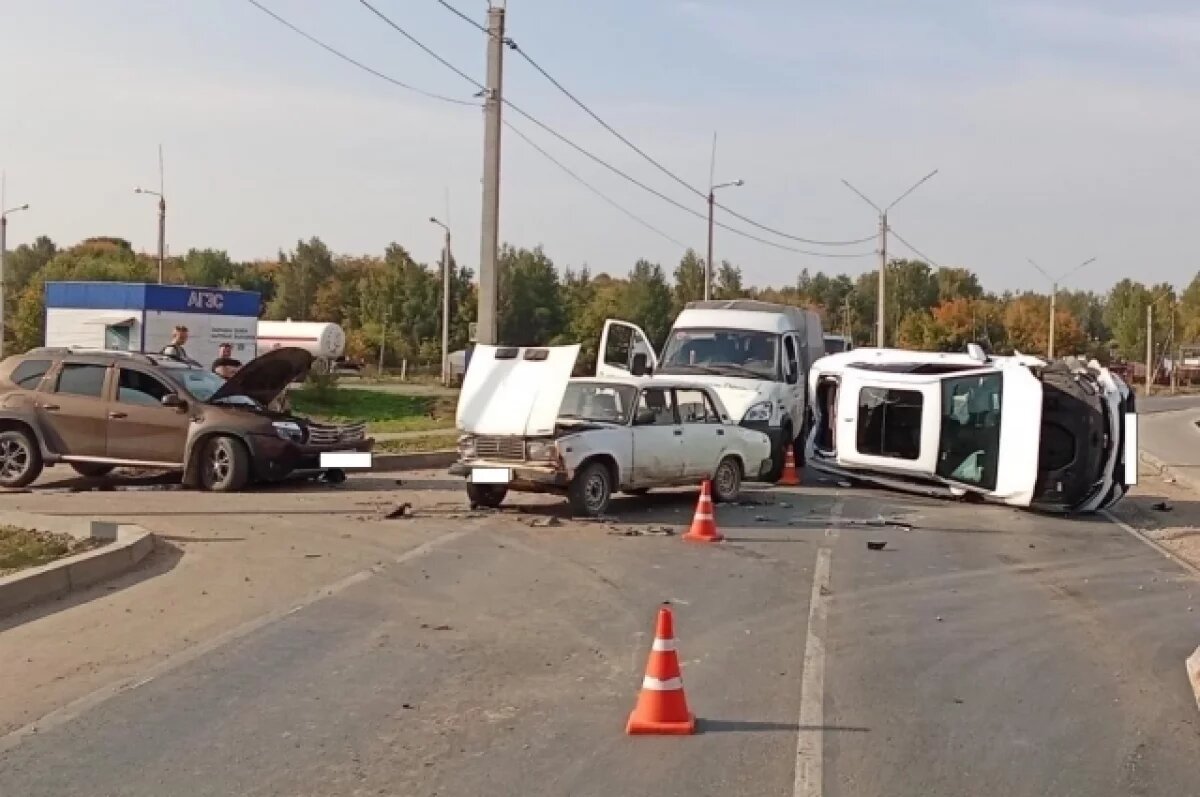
(326, 342)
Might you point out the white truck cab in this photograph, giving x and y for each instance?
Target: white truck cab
(755, 355)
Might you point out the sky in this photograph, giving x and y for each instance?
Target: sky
(1061, 130)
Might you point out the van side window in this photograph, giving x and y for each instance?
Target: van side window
(791, 369)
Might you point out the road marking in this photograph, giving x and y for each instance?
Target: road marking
(1141, 535)
(64, 714)
(810, 740)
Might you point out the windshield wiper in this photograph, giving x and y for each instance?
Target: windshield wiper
(686, 368)
(726, 367)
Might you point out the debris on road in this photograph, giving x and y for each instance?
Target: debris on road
(429, 627)
(876, 545)
(542, 522)
(399, 511)
(1162, 506)
(881, 522)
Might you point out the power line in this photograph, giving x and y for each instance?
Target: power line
(464, 17)
(582, 105)
(431, 95)
(912, 248)
(592, 188)
(534, 120)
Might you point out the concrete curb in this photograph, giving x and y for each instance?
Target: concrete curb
(424, 460)
(26, 587)
(1193, 671)
(1182, 479)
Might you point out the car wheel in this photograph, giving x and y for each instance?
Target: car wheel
(224, 465)
(92, 470)
(20, 459)
(489, 496)
(591, 490)
(777, 457)
(727, 481)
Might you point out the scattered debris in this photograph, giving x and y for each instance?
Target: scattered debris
(407, 705)
(312, 556)
(881, 522)
(958, 700)
(761, 519)
(1162, 506)
(876, 545)
(644, 531)
(784, 504)
(542, 522)
(939, 618)
(844, 484)
(400, 511)
(825, 590)
(429, 627)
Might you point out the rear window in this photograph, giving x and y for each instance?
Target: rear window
(78, 379)
(889, 423)
(29, 373)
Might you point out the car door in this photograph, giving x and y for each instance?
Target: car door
(140, 428)
(621, 346)
(793, 380)
(704, 438)
(657, 439)
(888, 423)
(72, 409)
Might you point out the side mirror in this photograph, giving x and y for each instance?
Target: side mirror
(644, 418)
(173, 400)
(638, 367)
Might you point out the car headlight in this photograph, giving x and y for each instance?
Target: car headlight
(759, 413)
(541, 450)
(466, 447)
(289, 430)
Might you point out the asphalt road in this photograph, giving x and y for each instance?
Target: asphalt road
(984, 651)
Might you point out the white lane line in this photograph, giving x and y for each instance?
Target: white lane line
(77, 707)
(810, 739)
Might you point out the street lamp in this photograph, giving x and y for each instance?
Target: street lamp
(445, 303)
(162, 226)
(3, 251)
(881, 327)
(708, 264)
(1054, 296)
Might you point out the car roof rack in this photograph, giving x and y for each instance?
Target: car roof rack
(90, 350)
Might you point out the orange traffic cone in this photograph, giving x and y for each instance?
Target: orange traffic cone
(704, 524)
(789, 477)
(662, 707)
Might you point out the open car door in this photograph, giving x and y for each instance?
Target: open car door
(624, 351)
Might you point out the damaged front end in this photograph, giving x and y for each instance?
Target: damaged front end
(530, 464)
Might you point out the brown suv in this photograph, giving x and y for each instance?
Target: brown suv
(98, 410)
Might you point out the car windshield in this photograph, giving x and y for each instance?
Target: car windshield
(969, 448)
(597, 401)
(728, 352)
(196, 382)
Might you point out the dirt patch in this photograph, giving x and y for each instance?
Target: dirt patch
(24, 548)
(1166, 513)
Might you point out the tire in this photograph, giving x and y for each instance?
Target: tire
(727, 481)
(92, 470)
(224, 465)
(778, 453)
(591, 490)
(489, 496)
(20, 459)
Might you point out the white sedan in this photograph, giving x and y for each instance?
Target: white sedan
(527, 426)
(1057, 437)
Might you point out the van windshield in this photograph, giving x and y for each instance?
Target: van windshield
(729, 352)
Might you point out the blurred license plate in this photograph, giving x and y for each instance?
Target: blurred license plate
(491, 476)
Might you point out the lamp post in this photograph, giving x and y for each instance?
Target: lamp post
(708, 263)
(1054, 297)
(3, 251)
(162, 227)
(880, 313)
(445, 303)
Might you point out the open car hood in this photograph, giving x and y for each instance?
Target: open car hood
(265, 377)
(514, 391)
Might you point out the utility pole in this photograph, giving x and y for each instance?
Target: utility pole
(712, 201)
(1054, 298)
(489, 240)
(1149, 346)
(162, 214)
(445, 303)
(880, 311)
(4, 211)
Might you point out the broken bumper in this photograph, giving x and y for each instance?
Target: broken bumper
(525, 476)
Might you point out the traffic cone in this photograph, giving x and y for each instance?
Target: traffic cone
(789, 477)
(704, 524)
(662, 707)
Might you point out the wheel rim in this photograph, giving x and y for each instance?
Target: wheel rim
(14, 459)
(726, 479)
(595, 491)
(219, 464)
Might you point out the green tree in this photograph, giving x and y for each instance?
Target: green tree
(689, 279)
(729, 282)
(208, 267)
(529, 307)
(957, 283)
(27, 260)
(298, 277)
(647, 301)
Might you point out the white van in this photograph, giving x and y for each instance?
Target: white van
(756, 355)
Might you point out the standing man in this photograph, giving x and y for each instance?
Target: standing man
(175, 349)
(225, 365)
